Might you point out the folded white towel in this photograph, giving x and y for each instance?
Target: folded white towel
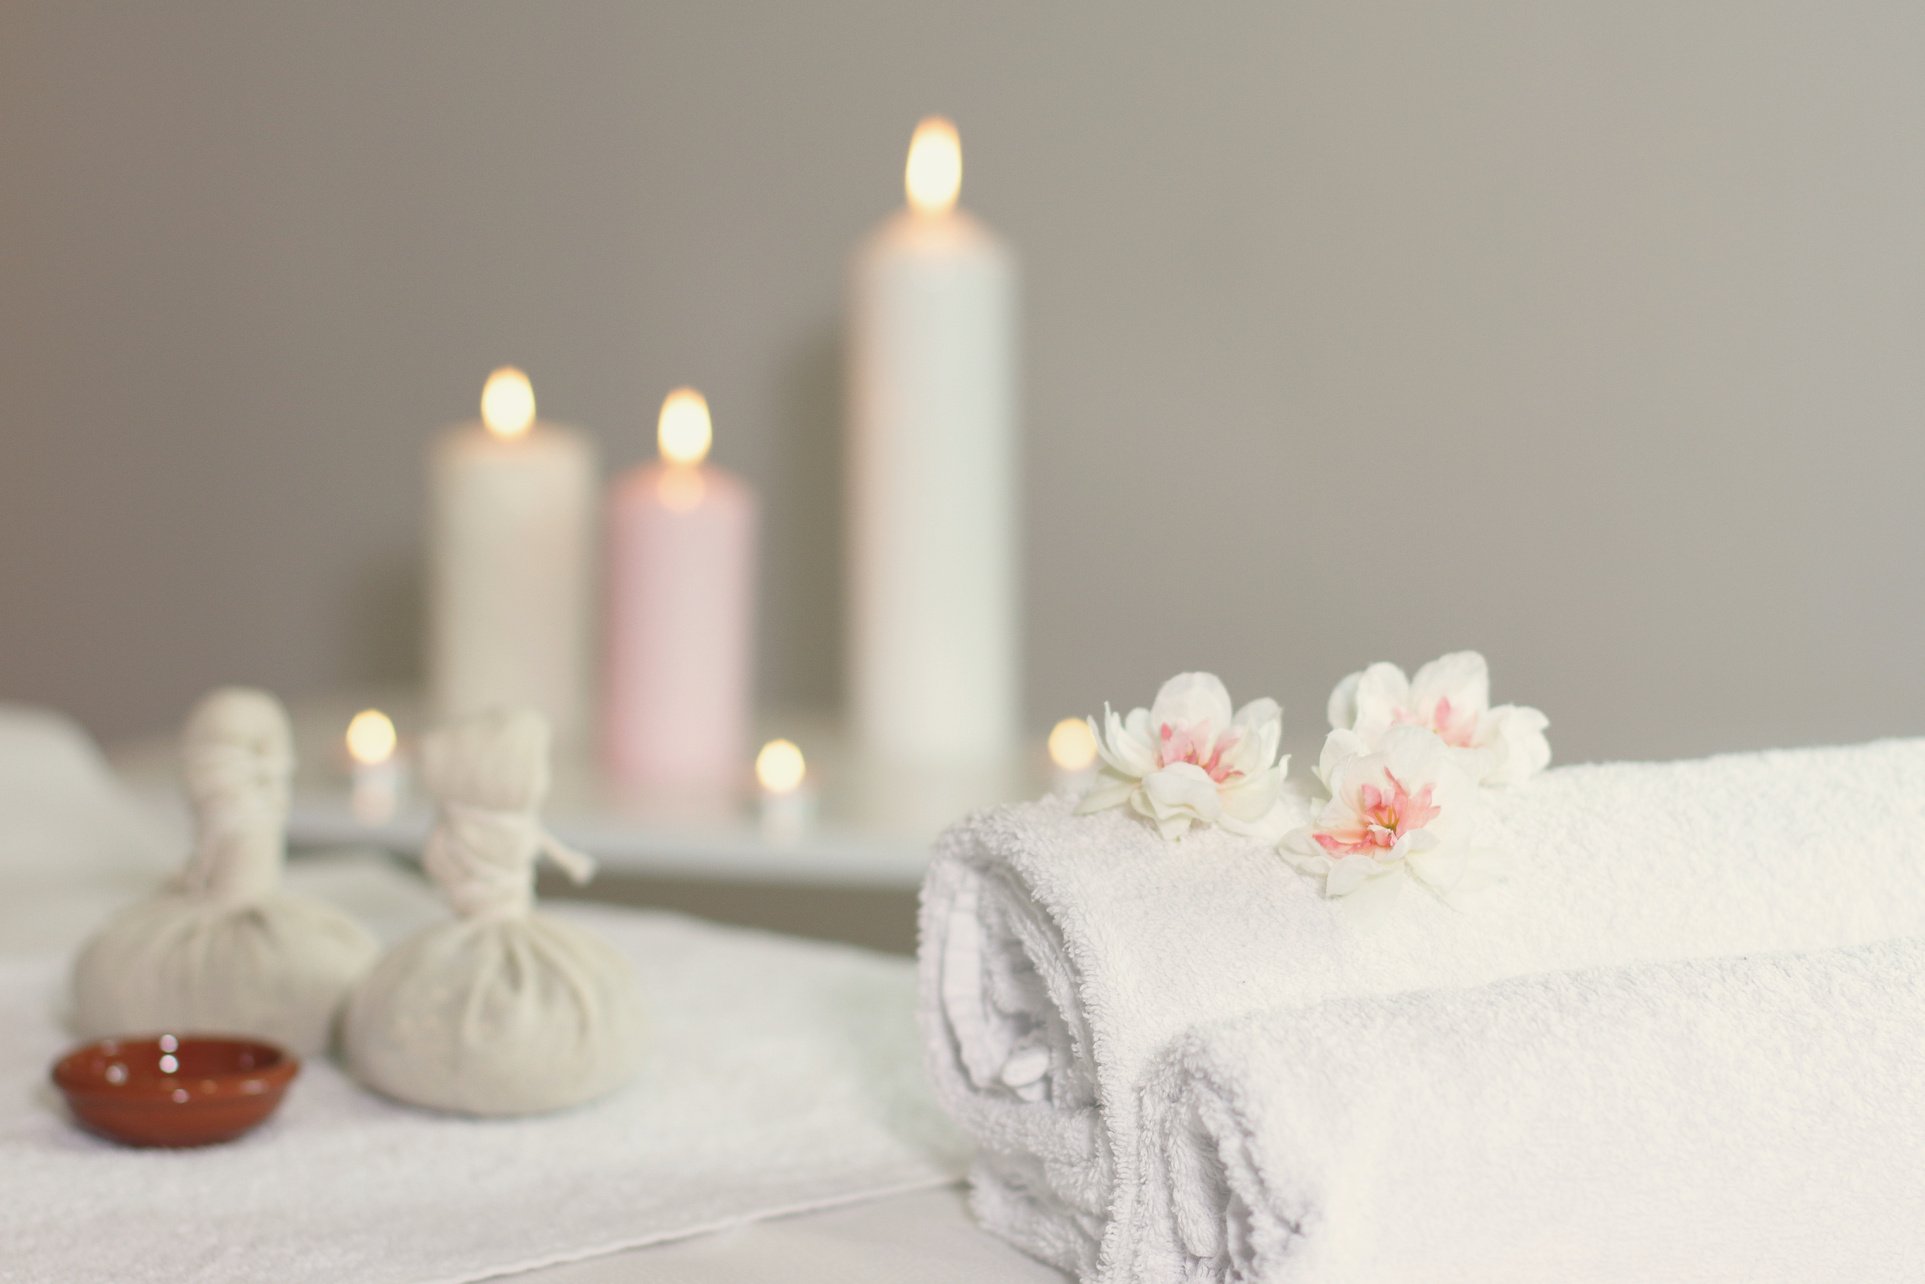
(781, 1075)
(1060, 953)
(1751, 1119)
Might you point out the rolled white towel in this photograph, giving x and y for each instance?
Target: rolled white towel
(1061, 953)
(1750, 1119)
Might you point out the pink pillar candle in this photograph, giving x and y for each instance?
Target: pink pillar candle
(681, 614)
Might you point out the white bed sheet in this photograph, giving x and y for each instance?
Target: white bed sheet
(927, 1237)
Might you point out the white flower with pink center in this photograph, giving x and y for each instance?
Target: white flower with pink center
(1450, 696)
(1188, 759)
(1403, 807)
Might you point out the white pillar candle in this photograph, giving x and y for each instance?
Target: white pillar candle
(681, 614)
(933, 629)
(511, 509)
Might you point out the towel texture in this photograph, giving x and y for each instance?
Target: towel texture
(780, 1076)
(1060, 953)
(1748, 1119)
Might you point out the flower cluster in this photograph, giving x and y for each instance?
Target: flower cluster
(1450, 696)
(1403, 766)
(1188, 759)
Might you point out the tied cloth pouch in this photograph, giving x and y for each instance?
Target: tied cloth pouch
(223, 949)
(503, 1011)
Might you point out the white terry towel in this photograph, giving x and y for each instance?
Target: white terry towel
(1060, 953)
(780, 1076)
(1758, 1119)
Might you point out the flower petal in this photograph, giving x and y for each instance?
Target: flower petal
(1342, 708)
(1192, 700)
(1383, 692)
(1417, 758)
(1299, 843)
(1125, 748)
(1339, 747)
(1284, 814)
(1514, 734)
(1258, 714)
(1251, 798)
(1259, 727)
(1181, 787)
(1413, 754)
(1417, 844)
(1110, 790)
(1171, 827)
(1462, 677)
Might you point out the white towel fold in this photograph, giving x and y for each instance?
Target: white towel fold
(1061, 953)
(781, 1075)
(1753, 1119)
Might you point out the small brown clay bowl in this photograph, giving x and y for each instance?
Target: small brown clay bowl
(174, 1090)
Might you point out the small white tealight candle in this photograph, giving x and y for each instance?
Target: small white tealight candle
(786, 800)
(377, 773)
(1072, 752)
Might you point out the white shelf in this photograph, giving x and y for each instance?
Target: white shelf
(872, 827)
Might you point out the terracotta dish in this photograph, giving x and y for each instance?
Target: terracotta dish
(174, 1090)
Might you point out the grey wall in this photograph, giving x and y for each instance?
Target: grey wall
(1587, 333)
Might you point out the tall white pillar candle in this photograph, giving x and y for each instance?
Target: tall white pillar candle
(511, 511)
(933, 629)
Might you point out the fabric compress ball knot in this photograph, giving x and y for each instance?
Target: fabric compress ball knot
(221, 948)
(503, 1011)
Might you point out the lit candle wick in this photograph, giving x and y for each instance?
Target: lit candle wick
(683, 431)
(508, 403)
(371, 738)
(779, 768)
(933, 177)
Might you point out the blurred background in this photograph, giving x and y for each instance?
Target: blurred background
(1588, 335)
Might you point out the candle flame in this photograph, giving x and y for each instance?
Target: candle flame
(508, 403)
(1072, 746)
(934, 175)
(371, 738)
(683, 431)
(779, 767)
